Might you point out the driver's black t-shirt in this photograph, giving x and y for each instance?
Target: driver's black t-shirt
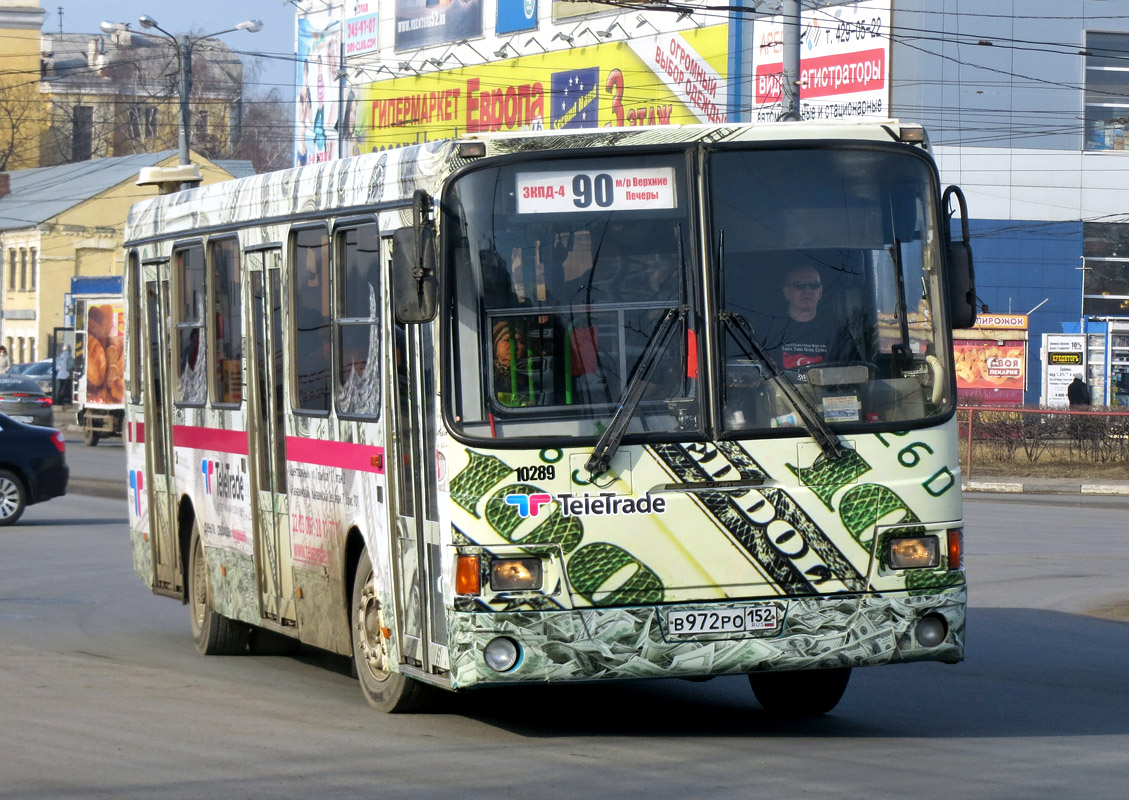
(801, 344)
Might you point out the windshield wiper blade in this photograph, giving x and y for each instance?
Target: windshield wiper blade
(609, 442)
(814, 424)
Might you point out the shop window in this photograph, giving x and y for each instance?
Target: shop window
(1107, 91)
(1105, 278)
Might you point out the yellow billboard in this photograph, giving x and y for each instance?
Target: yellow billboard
(668, 78)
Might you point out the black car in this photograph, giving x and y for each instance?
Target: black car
(33, 467)
(42, 372)
(24, 400)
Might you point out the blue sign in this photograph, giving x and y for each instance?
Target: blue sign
(575, 99)
(516, 15)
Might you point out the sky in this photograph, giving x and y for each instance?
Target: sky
(274, 44)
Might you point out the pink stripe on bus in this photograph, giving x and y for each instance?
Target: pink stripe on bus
(346, 455)
(215, 439)
(136, 431)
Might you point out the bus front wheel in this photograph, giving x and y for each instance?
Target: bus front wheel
(212, 633)
(807, 693)
(386, 690)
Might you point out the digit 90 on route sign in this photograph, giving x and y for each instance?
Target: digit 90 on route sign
(603, 190)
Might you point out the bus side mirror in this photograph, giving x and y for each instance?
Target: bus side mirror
(413, 274)
(959, 270)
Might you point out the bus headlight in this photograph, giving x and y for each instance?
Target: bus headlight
(915, 553)
(515, 574)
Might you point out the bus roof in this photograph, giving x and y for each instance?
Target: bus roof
(388, 178)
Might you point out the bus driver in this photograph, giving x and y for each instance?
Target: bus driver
(806, 336)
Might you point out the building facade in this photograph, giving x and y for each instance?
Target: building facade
(68, 97)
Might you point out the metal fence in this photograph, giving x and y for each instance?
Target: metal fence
(1031, 439)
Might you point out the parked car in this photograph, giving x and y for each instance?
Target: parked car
(24, 400)
(42, 372)
(33, 467)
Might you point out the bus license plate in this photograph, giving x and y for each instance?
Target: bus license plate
(732, 620)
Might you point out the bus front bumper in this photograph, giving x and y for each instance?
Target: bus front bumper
(607, 643)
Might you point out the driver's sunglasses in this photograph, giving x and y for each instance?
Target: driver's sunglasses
(810, 286)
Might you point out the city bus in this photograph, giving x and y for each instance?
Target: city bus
(520, 408)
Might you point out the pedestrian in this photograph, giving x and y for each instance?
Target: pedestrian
(5, 360)
(1078, 393)
(63, 366)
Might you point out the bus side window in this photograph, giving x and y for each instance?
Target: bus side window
(188, 276)
(312, 318)
(358, 321)
(227, 357)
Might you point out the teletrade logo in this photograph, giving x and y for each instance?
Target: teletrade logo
(223, 479)
(136, 485)
(529, 505)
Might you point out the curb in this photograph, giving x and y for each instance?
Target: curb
(1010, 487)
(91, 487)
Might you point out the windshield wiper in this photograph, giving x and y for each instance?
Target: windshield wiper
(610, 440)
(814, 424)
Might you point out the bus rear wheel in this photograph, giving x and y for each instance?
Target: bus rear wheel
(807, 693)
(212, 633)
(385, 690)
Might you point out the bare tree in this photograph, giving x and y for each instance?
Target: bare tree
(20, 122)
(268, 132)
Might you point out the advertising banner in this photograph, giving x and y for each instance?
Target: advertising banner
(516, 15)
(673, 78)
(1065, 357)
(989, 372)
(425, 22)
(360, 27)
(844, 62)
(319, 50)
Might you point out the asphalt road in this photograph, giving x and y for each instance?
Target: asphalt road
(102, 695)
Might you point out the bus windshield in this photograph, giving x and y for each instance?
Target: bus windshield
(826, 260)
(830, 258)
(563, 273)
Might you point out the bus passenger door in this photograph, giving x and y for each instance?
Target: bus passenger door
(267, 439)
(158, 441)
(422, 617)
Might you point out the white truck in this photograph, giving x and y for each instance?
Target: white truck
(99, 387)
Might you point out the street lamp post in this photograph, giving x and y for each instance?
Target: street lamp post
(184, 45)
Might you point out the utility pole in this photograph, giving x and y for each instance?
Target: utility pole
(184, 64)
(342, 73)
(790, 74)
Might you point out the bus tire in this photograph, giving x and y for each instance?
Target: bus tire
(807, 693)
(212, 633)
(90, 437)
(386, 690)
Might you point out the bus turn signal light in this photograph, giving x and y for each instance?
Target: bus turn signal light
(467, 580)
(915, 552)
(956, 547)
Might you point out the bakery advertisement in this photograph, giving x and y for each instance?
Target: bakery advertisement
(990, 371)
(105, 325)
